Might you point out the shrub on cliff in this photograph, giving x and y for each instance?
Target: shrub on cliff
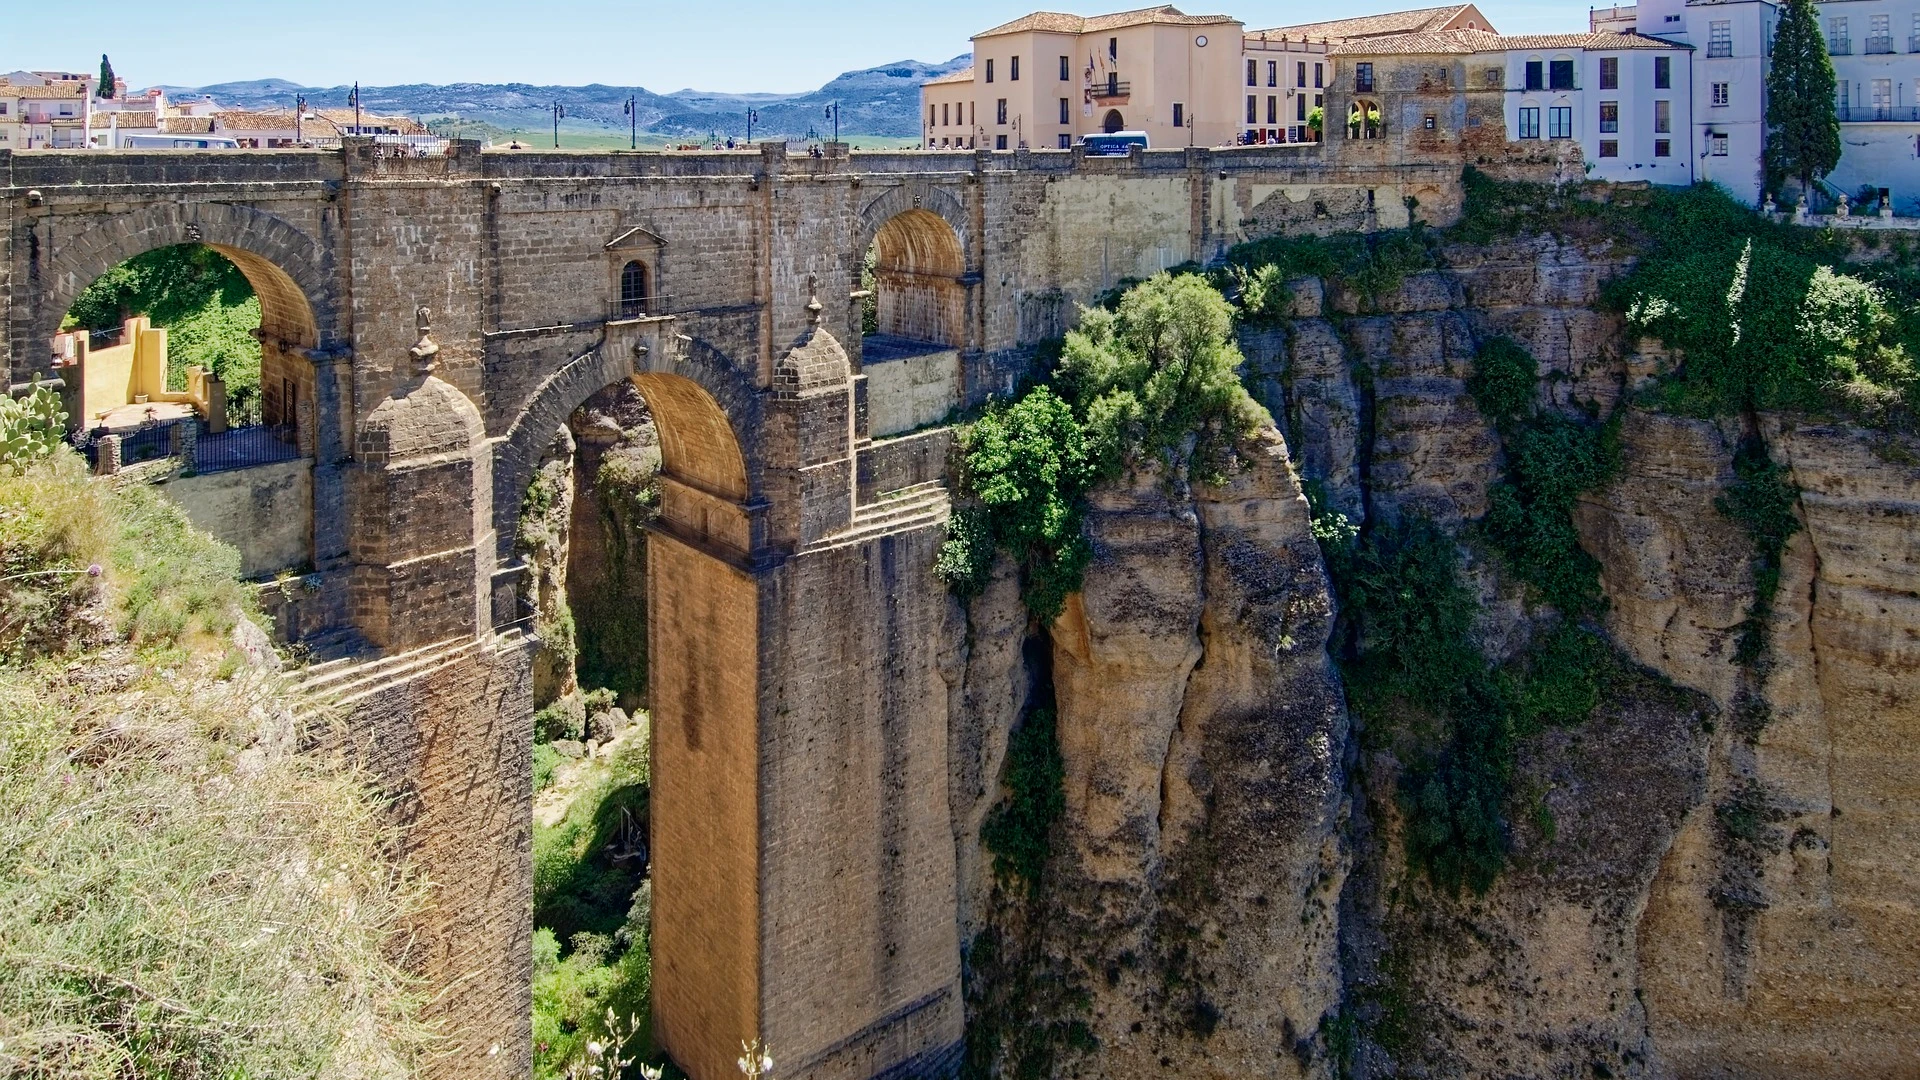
(1154, 381)
(181, 893)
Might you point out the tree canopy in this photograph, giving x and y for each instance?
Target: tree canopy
(1803, 134)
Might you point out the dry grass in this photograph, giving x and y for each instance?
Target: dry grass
(183, 893)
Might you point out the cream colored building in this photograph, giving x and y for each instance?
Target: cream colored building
(37, 113)
(1046, 80)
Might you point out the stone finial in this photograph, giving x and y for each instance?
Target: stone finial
(814, 307)
(424, 351)
(1769, 208)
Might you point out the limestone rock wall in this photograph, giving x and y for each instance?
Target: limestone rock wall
(1188, 915)
(1637, 937)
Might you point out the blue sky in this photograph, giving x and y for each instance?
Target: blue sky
(720, 45)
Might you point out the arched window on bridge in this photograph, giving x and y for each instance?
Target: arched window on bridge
(913, 272)
(633, 289)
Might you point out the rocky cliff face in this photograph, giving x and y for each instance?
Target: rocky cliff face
(1713, 876)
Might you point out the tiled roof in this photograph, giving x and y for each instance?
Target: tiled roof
(403, 125)
(130, 119)
(1054, 22)
(1462, 42)
(1421, 20)
(57, 90)
(248, 120)
(947, 80)
(186, 125)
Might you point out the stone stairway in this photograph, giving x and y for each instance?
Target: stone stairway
(896, 511)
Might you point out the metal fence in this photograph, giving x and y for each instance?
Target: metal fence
(240, 448)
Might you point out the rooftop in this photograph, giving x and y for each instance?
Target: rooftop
(1419, 20)
(249, 120)
(1054, 22)
(127, 118)
(1462, 42)
(956, 77)
(56, 90)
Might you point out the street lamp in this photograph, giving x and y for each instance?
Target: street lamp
(633, 122)
(752, 115)
(559, 111)
(833, 114)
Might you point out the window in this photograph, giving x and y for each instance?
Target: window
(1066, 142)
(1913, 37)
(1300, 74)
(1720, 37)
(1013, 70)
(1273, 73)
(1609, 117)
(1722, 94)
(1273, 109)
(1882, 90)
(1066, 113)
(3, 108)
(1662, 148)
(999, 142)
(1609, 73)
(989, 71)
(1363, 78)
(1560, 75)
(1253, 109)
(1065, 74)
(1838, 43)
(1000, 112)
(946, 117)
(1536, 75)
(973, 113)
(1718, 143)
(1609, 148)
(1663, 117)
(1560, 122)
(1663, 73)
(1431, 122)
(1879, 34)
(1113, 48)
(1179, 114)
(1319, 74)
(1530, 123)
(930, 115)
(1253, 73)
(1846, 96)
(633, 288)
(1300, 107)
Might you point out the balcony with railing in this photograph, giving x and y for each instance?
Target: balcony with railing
(638, 307)
(1835, 47)
(1879, 44)
(1868, 114)
(1913, 43)
(1114, 87)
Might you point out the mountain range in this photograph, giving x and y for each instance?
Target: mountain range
(880, 101)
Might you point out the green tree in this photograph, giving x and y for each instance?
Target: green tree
(105, 89)
(1803, 134)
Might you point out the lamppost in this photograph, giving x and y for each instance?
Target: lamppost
(633, 122)
(299, 114)
(559, 111)
(833, 114)
(752, 115)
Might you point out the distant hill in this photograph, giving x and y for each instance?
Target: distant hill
(881, 101)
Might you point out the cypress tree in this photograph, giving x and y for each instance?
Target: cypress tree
(106, 78)
(1803, 134)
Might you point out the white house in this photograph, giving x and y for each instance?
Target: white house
(1875, 45)
(1625, 98)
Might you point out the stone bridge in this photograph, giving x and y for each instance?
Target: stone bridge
(804, 848)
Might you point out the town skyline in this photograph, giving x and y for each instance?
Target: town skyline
(663, 48)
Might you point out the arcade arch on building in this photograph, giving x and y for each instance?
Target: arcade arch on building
(1364, 120)
(1114, 122)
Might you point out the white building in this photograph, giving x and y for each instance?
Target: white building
(1625, 98)
(1875, 45)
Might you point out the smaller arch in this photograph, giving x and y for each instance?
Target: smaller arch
(918, 267)
(1364, 120)
(1114, 122)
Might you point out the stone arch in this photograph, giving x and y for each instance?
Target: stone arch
(1114, 122)
(287, 269)
(706, 414)
(905, 198)
(920, 270)
(1365, 119)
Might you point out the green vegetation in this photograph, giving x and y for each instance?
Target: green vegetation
(1019, 832)
(206, 305)
(592, 909)
(1761, 501)
(612, 621)
(1153, 383)
(1803, 134)
(1369, 264)
(223, 907)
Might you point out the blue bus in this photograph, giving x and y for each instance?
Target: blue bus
(1116, 144)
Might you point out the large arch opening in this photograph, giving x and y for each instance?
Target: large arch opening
(917, 262)
(634, 531)
(200, 353)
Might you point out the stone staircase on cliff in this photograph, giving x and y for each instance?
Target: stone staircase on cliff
(899, 511)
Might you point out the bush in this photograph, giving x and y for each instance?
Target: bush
(203, 300)
(1505, 381)
(577, 885)
(546, 761)
(1027, 465)
(1019, 832)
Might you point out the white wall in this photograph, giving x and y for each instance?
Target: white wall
(1635, 95)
